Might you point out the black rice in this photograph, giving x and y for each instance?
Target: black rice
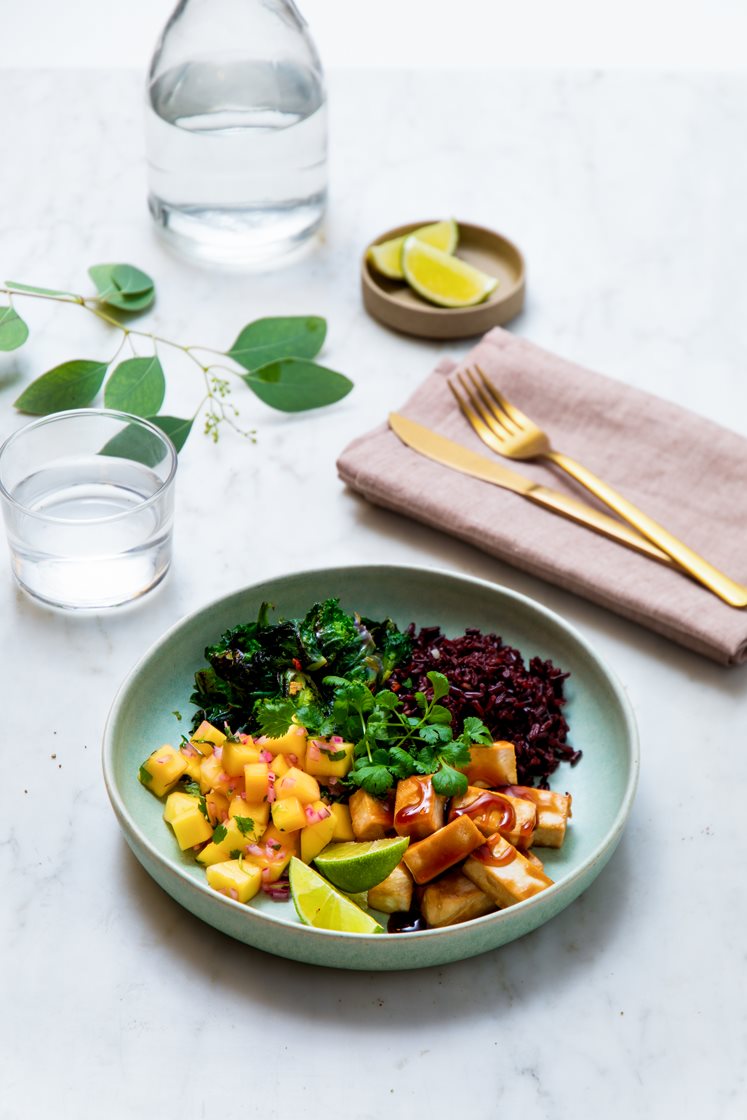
(522, 704)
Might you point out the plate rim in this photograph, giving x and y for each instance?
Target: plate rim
(602, 850)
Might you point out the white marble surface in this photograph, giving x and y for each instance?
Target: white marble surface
(627, 193)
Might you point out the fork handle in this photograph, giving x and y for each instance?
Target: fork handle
(727, 589)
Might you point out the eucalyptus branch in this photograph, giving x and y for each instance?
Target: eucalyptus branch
(274, 356)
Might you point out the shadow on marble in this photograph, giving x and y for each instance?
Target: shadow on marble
(537, 967)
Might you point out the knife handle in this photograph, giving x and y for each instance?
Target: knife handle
(583, 514)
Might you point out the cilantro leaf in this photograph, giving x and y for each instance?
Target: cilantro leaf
(220, 833)
(235, 853)
(439, 684)
(144, 775)
(449, 782)
(244, 824)
(401, 763)
(374, 779)
(435, 733)
(274, 716)
(475, 731)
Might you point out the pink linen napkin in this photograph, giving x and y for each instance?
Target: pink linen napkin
(686, 472)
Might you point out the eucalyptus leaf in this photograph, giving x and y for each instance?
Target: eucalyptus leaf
(137, 385)
(176, 428)
(131, 281)
(70, 385)
(13, 330)
(137, 444)
(269, 340)
(295, 385)
(38, 291)
(109, 293)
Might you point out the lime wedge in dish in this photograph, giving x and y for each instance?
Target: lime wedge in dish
(320, 905)
(359, 865)
(386, 257)
(442, 279)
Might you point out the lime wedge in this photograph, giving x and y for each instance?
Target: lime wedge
(386, 257)
(441, 279)
(357, 866)
(318, 904)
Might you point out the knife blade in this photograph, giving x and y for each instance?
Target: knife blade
(450, 454)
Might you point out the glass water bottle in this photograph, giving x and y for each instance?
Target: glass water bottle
(236, 132)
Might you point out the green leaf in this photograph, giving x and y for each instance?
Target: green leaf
(439, 683)
(219, 834)
(13, 330)
(174, 427)
(137, 385)
(275, 716)
(144, 775)
(131, 281)
(449, 783)
(137, 444)
(70, 385)
(38, 291)
(269, 340)
(244, 824)
(475, 731)
(295, 385)
(109, 293)
(376, 780)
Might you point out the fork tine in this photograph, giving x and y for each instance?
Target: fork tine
(514, 413)
(483, 431)
(478, 406)
(499, 421)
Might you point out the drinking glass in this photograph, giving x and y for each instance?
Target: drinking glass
(88, 503)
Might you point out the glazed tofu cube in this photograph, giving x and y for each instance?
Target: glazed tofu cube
(491, 766)
(501, 871)
(452, 899)
(534, 859)
(236, 879)
(418, 809)
(553, 814)
(343, 826)
(288, 815)
(191, 828)
(371, 818)
(492, 812)
(440, 851)
(297, 783)
(292, 743)
(394, 894)
(162, 770)
(326, 758)
(206, 737)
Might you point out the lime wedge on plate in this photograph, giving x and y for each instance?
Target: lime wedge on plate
(442, 279)
(357, 866)
(386, 257)
(318, 904)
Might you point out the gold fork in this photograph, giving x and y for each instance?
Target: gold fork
(506, 430)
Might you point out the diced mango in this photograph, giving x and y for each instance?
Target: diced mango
(236, 879)
(297, 783)
(370, 817)
(293, 742)
(191, 827)
(328, 759)
(236, 754)
(207, 735)
(256, 781)
(256, 811)
(193, 760)
(273, 852)
(343, 827)
(211, 854)
(394, 894)
(317, 834)
(162, 770)
(217, 805)
(176, 803)
(280, 766)
(210, 769)
(288, 815)
(232, 837)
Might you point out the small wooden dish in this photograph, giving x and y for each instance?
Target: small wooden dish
(396, 305)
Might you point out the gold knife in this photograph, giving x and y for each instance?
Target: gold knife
(453, 455)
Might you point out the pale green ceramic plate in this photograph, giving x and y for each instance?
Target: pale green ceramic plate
(602, 784)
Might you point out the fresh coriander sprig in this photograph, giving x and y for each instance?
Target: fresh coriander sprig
(389, 744)
(275, 357)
